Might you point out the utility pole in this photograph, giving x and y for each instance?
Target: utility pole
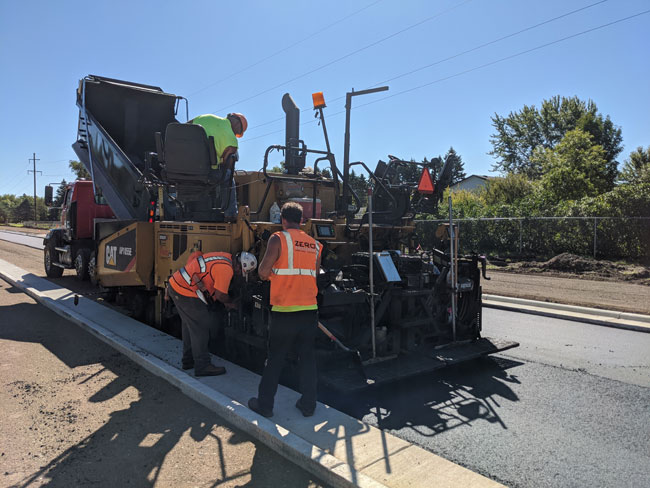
(34, 171)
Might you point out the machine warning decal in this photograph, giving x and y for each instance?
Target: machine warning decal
(120, 252)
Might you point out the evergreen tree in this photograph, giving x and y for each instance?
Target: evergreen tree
(60, 193)
(637, 167)
(24, 210)
(458, 168)
(5, 212)
(57, 201)
(359, 184)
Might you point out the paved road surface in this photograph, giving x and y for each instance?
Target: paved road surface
(20, 238)
(570, 407)
(77, 413)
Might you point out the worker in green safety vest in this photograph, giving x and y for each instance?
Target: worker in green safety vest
(225, 132)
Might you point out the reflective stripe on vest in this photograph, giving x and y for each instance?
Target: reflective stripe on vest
(215, 258)
(203, 260)
(291, 271)
(186, 276)
(294, 272)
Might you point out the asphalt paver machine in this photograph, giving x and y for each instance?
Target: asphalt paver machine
(406, 310)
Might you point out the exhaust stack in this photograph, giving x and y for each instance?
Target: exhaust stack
(294, 160)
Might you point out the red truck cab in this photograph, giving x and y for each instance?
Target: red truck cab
(80, 209)
(72, 244)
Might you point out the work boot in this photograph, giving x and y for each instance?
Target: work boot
(306, 412)
(255, 406)
(210, 370)
(187, 365)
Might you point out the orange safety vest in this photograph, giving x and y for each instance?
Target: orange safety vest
(293, 276)
(199, 269)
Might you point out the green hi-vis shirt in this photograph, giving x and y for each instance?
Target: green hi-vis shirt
(220, 129)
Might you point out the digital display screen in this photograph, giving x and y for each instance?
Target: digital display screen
(325, 230)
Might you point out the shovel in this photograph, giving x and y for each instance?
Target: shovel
(356, 355)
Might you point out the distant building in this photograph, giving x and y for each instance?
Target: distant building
(472, 183)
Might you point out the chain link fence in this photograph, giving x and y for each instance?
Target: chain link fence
(600, 237)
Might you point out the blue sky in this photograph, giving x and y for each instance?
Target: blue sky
(200, 49)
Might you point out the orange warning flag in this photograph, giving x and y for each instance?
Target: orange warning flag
(425, 185)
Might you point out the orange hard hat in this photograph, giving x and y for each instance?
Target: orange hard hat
(242, 121)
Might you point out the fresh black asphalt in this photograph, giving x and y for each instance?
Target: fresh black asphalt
(570, 407)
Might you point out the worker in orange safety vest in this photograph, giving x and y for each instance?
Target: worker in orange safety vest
(291, 263)
(205, 279)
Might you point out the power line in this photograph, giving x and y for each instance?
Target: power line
(314, 34)
(372, 44)
(19, 175)
(17, 184)
(14, 179)
(506, 58)
(490, 42)
(485, 65)
(476, 48)
(57, 161)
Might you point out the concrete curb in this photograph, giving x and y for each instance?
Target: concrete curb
(608, 318)
(22, 234)
(298, 449)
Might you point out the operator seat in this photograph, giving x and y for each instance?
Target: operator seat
(188, 159)
(189, 154)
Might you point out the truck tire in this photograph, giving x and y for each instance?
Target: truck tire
(81, 264)
(49, 258)
(92, 269)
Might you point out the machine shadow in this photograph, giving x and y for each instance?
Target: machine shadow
(131, 446)
(435, 403)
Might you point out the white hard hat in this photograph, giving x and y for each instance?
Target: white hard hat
(247, 261)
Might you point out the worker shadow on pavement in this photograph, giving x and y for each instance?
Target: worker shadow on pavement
(101, 419)
(431, 404)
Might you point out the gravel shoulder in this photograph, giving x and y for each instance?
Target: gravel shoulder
(608, 295)
(75, 413)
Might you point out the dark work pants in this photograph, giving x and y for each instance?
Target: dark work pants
(287, 329)
(196, 321)
(231, 209)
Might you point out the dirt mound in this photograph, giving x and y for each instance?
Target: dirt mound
(571, 265)
(575, 264)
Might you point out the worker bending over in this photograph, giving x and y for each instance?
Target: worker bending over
(291, 263)
(205, 279)
(225, 133)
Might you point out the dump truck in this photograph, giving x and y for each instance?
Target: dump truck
(405, 307)
(72, 244)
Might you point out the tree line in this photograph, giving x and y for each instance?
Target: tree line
(561, 159)
(16, 209)
(19, 208)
